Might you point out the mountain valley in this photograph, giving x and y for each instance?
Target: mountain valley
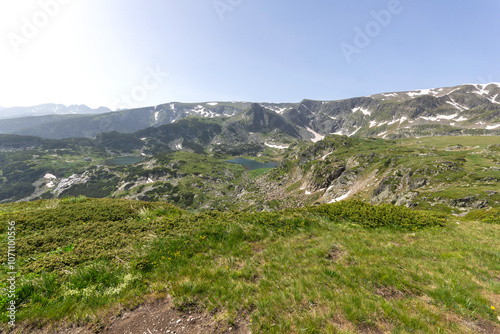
(367, 215)
(431, 149)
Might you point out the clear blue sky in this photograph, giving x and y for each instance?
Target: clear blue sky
(101, 52)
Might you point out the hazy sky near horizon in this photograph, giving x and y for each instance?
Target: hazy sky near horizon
(131, 53)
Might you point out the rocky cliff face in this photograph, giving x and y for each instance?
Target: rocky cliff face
(467, 109)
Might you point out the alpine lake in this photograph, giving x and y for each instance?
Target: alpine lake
(252, 164)
(121, 161)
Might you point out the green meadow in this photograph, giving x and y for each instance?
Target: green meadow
(347, 267)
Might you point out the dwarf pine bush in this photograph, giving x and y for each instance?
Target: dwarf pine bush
(387, 215)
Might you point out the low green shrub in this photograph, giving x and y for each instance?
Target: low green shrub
(491, 216)
(378, 215)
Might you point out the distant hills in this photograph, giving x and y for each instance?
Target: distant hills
(472, 109)
(49, 109)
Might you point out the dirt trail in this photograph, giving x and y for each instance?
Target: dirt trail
(159, 317)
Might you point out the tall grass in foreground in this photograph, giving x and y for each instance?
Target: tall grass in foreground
(338, 268)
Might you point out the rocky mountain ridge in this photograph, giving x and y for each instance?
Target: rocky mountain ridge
(472, 109)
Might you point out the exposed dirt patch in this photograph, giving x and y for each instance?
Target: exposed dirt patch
(339, 322)
(369, 329)
(388, 292)
(335, 253)
(484, 326)
(51, 329)
(162, 317)
(254, 279)
(159, 317)
(256, 247)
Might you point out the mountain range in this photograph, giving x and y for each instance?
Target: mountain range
(461, 110)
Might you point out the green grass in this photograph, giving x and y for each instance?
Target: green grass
(442, 142)
(258, 172)
(339, 268)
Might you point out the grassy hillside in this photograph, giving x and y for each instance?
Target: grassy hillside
(339, 268)
(449, 174)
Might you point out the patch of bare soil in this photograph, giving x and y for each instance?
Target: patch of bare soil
(335, 253)
(485, 326)
(369, 329)
(159, 317)
(389, 292)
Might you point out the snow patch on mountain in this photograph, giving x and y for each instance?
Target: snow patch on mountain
(341, 198)
(493, 99)
(280, 110)
(307, 108)
(352, 134)
(457, 105)
(204, 112)
(483, 86)
(400, 120)
(281, 147)
(363, 110)
(421, 92)
(317, 136)
(439, 117)
(326, 155)
(482, 90)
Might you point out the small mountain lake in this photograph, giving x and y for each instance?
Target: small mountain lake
(120, 161)
(251, 164)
